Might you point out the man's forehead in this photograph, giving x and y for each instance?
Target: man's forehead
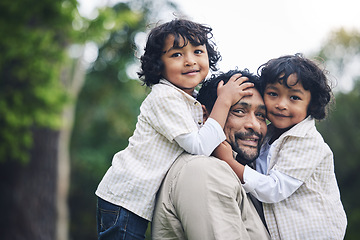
(251, 104)
(254, 100)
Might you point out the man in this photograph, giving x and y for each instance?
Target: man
(201, 197)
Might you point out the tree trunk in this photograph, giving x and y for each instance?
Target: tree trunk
(34, 196)
(73, 84)
(29, 200)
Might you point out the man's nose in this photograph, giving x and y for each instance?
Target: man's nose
(253, 123)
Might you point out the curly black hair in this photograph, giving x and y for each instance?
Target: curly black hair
(208, 91)
(311, 76)
(195, 33)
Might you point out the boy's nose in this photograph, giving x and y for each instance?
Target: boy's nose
(189, 61)
(281, 104)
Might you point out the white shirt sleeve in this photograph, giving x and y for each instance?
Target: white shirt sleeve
(271, 188)
(204, 141)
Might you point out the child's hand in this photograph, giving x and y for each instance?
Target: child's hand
(234, 89)
(223, 151)
(228, 95)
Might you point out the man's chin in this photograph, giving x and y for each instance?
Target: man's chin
(246, 157)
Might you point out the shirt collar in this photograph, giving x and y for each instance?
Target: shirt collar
(166, 82)
(298, 130)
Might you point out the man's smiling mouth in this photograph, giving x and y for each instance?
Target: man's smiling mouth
(251, 141)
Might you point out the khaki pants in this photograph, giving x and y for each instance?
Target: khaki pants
(202, 198)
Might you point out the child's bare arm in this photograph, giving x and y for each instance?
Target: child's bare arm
(224, 152)
(229, 94)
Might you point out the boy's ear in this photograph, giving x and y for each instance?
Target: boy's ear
(205, 113)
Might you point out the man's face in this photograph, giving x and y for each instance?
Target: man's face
(246, 127)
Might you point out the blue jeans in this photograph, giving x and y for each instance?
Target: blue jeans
(115, 222)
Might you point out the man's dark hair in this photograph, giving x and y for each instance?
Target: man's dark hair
(311, 76)
(195, 33)
(208, 91)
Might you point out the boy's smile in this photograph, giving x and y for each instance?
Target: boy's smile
(186, 66)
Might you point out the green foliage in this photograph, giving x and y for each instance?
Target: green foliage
(108, 105)
(341, 53)
(341, 129)
(340, 48)
(106, 114)
(32, 47)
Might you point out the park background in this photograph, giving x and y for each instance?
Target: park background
(69, 95)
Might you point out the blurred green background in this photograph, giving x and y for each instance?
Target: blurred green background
(69, 101)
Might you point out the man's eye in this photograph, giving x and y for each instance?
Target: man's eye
(238, 111)
(261, 116)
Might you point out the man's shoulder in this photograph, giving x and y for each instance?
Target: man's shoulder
(200, 164)
(191, 159)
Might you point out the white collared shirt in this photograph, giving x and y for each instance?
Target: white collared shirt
(314, 210)
(137, 171)
(272, 187)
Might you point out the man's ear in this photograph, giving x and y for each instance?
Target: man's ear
(205, 113)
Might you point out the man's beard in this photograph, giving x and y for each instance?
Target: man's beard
(246, 157)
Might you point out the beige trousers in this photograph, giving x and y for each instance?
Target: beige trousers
(202, 198)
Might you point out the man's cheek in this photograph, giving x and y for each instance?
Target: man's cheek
(228, 135)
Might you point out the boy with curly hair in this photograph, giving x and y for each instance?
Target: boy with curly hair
(295, 176)
(177, 57)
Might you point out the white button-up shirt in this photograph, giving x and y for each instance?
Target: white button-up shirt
(311, 209)
(137, 171)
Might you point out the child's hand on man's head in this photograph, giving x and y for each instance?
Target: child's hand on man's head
(234, 89)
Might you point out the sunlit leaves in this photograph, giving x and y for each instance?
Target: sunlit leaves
(32, 52)
(341, 51)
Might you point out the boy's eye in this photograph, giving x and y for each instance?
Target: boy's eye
(198, 51)
(273, 94)
(176, 55)
(295, 98)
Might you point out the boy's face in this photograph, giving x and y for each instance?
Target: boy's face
(286, 106)
(184, 67)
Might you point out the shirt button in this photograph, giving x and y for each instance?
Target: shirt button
(199, 122)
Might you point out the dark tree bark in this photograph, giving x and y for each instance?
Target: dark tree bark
(28, 192)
